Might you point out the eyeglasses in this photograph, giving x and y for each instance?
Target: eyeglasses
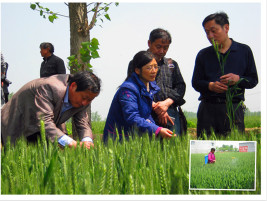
(150, 67)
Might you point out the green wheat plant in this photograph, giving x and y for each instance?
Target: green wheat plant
(232, 170)
(231, 91)
(141, 165)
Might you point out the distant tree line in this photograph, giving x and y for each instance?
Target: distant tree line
(229, 148)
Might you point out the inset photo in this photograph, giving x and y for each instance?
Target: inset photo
(222, 165)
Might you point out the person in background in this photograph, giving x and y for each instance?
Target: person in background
(169, 79)
(52, 64)
(4, 81)
(131, 106)
(212, 85)
(211, 156)
(54, 100)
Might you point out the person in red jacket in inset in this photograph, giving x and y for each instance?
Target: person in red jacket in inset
(211, 156)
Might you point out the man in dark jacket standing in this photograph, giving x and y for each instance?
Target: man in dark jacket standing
(212, 84)
(52, 64)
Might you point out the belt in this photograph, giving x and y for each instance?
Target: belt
(219, 100)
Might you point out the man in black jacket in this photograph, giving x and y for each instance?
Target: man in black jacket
(52, 64)
(212, 82)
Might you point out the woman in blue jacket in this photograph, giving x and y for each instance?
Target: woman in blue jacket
(132, 104)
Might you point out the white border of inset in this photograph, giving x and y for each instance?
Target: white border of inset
(226, 142)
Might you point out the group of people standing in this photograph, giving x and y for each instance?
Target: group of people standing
(146, 102)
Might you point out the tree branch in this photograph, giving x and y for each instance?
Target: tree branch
(89, 4)
(52, 13)
(99, 9)
(94, 17)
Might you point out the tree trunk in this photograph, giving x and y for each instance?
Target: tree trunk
(79, 32)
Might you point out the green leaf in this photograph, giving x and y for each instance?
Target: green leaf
(72, 57)
(225, 57)
(107, 16)
(106, 9)
(41, 13)
(85, 45)
(33, 6)
(51, 18)
(95, 55)
(86, 58)
(116, 3)
(94, 42)
(49, 170)
(83, 52)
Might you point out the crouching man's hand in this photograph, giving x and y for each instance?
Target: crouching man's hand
(85, 144)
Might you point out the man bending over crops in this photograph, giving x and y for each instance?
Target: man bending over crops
(213, 78)
(54, 100)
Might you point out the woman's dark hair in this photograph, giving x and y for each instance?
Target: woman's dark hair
(220, 18)
(160, 33)
(86, 81)
(139, 60)
(212, 149)
(47, 45)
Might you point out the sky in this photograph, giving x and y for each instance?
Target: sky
(22, 31)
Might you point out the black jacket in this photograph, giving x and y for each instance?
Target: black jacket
(51, 66)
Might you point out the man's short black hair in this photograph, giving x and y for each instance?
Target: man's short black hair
(45, 45)
(220, 18)
(86, 81)
(160, 33)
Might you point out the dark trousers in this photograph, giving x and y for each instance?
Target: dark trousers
(213, 117)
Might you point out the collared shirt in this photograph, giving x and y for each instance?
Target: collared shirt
(66, 104)
(65, 139)
(240, 61)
